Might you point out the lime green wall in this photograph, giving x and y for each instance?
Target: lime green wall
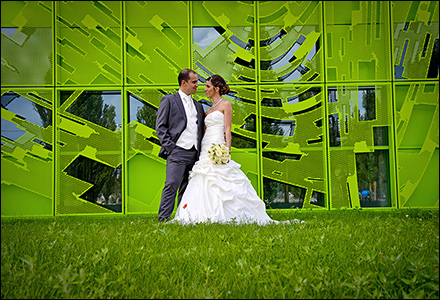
(330, 98)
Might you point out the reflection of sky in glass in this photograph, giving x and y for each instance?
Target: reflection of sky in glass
(9, 31)
(135, 104)
(11, 131)
(312, 53)
(24, 108)
(112, 98)
(287, 56)
(204, 36)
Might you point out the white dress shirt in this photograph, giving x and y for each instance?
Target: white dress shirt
(188, 138)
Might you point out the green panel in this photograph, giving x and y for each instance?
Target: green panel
(291, 41)
(27, 151)
(342, 168)
(293, 140)
(417, 123)
(156, 41)
(359, 121)
(88, 43)
(89, 152)
(227, 48)
(335, 102)
(147, 178)
(27, 57)
(358, 40)
(417, 115)
(146, 171)
(422, 188)
(415, 39)
(24, 203)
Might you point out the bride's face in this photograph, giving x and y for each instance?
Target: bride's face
(210, 90)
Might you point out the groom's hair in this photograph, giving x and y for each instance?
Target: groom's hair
(184, 75)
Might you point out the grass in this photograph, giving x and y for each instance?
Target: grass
(335, 254)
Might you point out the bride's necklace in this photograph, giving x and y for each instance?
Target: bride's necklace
(214, 105)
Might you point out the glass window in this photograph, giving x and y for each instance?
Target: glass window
(107, 182)
(335, 136)
(100, 107)
(373, 178)
(27, 110)
(282, 195)
(367, 103)
(141, 111)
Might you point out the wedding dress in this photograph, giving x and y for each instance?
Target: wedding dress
(219, 193)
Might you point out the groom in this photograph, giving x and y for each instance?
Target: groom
(179, 127)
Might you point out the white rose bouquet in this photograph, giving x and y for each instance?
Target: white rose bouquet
(219, 154)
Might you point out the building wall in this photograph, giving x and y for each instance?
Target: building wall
(335, 102)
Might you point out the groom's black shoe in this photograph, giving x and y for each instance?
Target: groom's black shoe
(163, 219)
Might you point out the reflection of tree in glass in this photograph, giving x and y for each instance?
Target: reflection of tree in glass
(106, 180)
(46, 119)
(239, 141)
(271, 126)
(368, 167)
(369, 103)
(147, 115)
(290, 193)
(91, 107)
(269, 190)
(333, 128)
(45, 114)
(312, 92)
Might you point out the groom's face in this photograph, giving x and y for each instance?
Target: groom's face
(190, 87)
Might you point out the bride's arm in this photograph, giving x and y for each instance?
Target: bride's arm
(228, 120)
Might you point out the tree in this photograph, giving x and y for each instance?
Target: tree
(369, 103)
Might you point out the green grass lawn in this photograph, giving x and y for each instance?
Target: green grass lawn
(334, 254)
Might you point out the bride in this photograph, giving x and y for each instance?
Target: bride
(219, 193)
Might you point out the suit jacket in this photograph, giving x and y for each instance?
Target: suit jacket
(171, 122)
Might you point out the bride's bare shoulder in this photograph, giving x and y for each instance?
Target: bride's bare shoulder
(226, 107)
(226, 103)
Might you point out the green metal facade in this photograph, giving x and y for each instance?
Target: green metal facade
(336, 103)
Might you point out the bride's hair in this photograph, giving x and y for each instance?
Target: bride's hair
(218, 81)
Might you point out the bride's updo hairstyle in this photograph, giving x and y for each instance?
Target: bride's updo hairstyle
(218, 81)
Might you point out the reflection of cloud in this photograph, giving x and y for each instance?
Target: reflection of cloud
(204, 36)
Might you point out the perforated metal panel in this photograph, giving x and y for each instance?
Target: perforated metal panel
(335, 102)
(417, 125)
(27, 152)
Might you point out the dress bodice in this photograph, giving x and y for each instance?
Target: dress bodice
(215, 130)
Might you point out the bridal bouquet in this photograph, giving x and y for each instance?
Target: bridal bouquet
(219, 154)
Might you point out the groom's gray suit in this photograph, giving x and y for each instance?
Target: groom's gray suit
(171, 121)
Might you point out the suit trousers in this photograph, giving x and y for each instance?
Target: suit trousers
(179, 163)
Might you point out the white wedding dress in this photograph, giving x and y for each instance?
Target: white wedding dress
(219, 193)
